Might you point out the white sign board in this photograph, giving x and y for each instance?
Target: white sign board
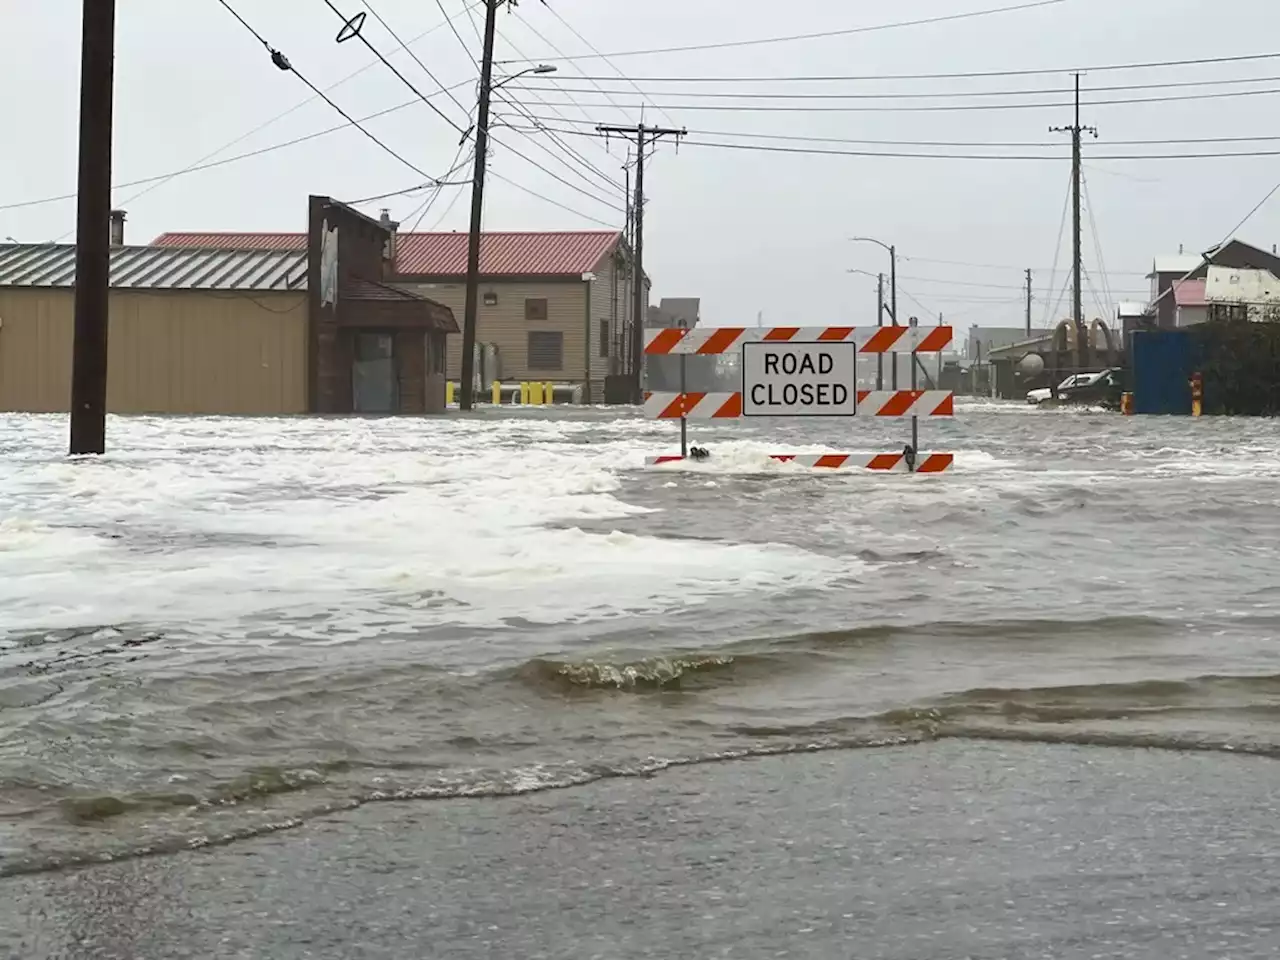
(790, 379)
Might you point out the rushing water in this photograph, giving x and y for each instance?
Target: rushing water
(227, 626)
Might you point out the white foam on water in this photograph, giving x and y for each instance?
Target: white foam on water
(340, 529)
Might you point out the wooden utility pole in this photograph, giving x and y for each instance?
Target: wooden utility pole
(1077, 302)
(644, 136)
(880, 323)
(93, 240)
(1028, 302)
(466, 398)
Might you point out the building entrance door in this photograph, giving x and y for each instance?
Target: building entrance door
(375, 388)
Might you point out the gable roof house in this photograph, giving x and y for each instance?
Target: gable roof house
(554, 305)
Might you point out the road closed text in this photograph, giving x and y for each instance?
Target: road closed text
(799, 379)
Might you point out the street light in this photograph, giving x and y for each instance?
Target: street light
(470, 308)
(540, 68)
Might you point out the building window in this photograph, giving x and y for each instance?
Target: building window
(602, 348)
(546, 350)
(535, 309)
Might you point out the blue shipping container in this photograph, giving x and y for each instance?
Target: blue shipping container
(1162, 362)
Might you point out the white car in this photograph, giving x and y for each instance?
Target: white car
(1041, 394)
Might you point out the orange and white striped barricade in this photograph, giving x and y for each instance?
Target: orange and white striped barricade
(805, 372)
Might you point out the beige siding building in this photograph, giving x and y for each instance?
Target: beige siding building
(553, 306)
(190, 332)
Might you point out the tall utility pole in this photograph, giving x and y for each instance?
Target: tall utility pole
(93, 240)
(880, 323)
(471, 308)
(1028, 302)
(644, 136)
(1077, 305)
(624, 335)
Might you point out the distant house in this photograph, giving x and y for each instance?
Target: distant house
(1166, 271)
(1188, 303)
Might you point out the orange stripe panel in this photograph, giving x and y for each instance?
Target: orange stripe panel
(665, 341)
(899, 403)
(731, 407)
(831, 460)
(884, 461)
(721, 340)
(883, 339)
(936, 339)
(781, 333)
(862, 395)
(947, 408)
(935, 463)
(836, 333)
(680, 406)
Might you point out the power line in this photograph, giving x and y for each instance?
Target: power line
(945, 95)
(555, 176)
(607, 61)
(1022, 144)
(556, 139)
(554, 203)
(1000, 266)
(354, 24)
(968, 75)
(282, 62)
(815, 151)
(821, 35)
(416, 59)
(197, 168)
(160, 182)
(449, 20)
(961, 107)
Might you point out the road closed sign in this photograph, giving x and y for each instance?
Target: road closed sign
(789, 379)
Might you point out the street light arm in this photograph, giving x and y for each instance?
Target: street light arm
(540, 68)
(871, 240)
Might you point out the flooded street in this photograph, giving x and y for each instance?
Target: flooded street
(231, 627)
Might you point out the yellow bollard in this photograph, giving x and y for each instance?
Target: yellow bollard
(551, 391)
(524, 392)
(448, 393)
(497, 392)
(535, 393)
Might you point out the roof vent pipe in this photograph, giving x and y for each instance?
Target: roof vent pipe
(117, 228)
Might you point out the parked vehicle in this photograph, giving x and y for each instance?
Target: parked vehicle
(1102, 388)
(1041, 394)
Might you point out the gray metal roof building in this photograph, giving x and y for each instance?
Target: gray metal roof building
(50, 265)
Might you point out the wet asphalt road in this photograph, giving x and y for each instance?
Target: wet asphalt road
(944, 851)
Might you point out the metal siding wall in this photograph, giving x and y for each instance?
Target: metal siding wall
(35, 350)
(170, 352)
(1162, 364)
(505, 325)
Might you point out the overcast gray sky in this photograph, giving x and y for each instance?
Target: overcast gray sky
(745, 230)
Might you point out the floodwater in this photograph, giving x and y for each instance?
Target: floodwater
(230, 627)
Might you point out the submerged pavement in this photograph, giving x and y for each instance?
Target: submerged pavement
(943, 851)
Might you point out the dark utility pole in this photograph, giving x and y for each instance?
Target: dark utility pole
(466, 397)
(1028, 303)
(93, 240)
(644, 136)
(893, 301)
(1077, 306)
(880, 323)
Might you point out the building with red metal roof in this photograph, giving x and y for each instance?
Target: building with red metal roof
(554, 304)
